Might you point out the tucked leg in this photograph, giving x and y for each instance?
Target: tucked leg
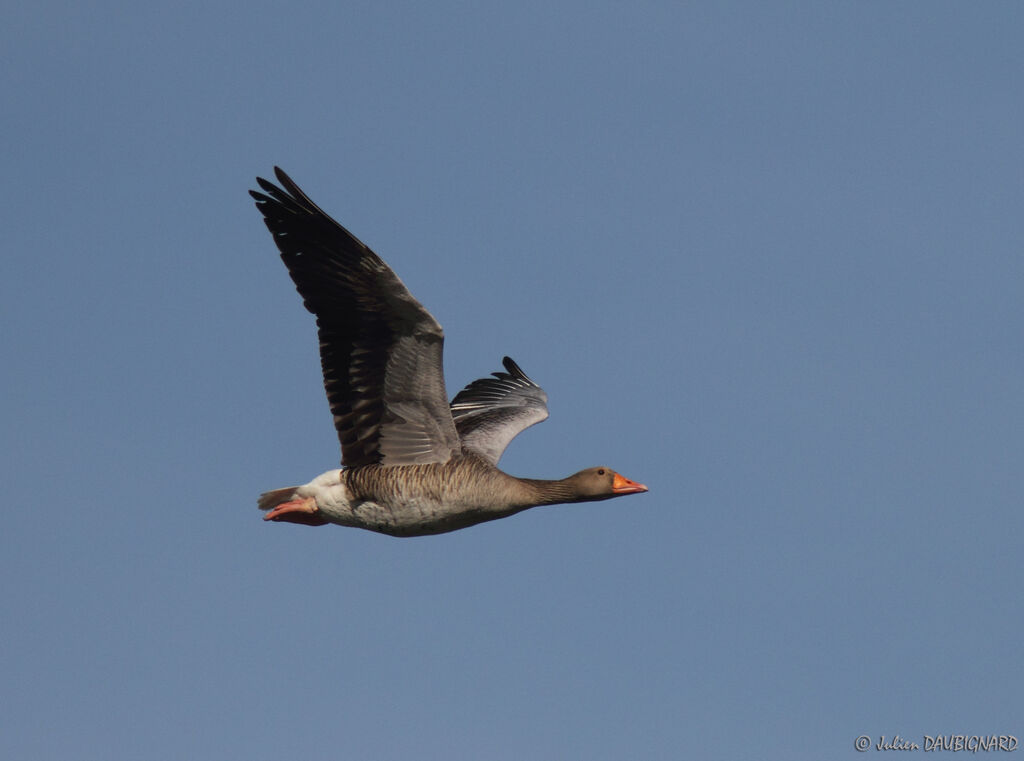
(302, 511)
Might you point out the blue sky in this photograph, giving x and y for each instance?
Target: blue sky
(764, 257)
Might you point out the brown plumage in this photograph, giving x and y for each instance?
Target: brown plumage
(413, 464)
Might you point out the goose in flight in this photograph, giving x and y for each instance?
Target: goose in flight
(412, 464)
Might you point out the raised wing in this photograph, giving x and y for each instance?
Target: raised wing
(490, 412)
(379, 348)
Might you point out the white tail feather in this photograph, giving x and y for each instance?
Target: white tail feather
(271, 499)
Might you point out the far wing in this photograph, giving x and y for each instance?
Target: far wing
(490, 412)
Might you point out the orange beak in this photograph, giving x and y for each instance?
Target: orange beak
(622, 485)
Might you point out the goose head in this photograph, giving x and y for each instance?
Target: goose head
(602, 483)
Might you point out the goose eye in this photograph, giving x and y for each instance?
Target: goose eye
(600, 471)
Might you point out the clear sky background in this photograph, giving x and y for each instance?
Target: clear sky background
(764, 257)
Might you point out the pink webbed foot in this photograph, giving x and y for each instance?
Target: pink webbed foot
(302, 511)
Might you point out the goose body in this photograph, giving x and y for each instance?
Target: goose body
(412, 464)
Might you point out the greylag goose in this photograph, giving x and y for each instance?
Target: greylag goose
(412, 464)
